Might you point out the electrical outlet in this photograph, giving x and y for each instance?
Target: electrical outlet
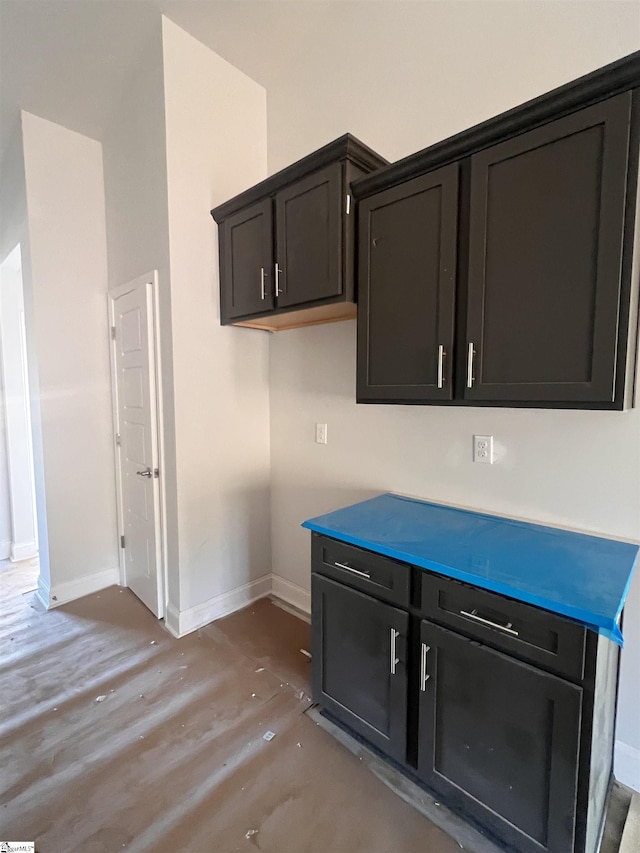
(321, 433)
(483, 449)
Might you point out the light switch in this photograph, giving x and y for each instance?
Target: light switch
(321, 433)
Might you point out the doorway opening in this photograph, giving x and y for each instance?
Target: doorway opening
(18, 514)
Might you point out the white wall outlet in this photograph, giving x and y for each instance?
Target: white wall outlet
(483, 449)
(321, 433)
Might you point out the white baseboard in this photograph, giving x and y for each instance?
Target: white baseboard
(293, 594)
(5, 550)
(626, 765)
(23, 551)
(43, 593)
(172, 620)
(182, 622)
(62, 593)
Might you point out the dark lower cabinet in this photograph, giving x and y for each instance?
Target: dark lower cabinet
(505, 712)
(360, 672)
(499, 740)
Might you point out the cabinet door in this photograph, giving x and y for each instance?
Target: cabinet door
(406, 289)
(359, 663)
(246, 262)
(499, 740)
(309, 238)
(545, 254)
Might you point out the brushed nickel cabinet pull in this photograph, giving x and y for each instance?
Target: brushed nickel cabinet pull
(474, 615)
(441, 355)
(424, 676)
(262, 289)
(394, 660)
(353, 571)
(470, 355)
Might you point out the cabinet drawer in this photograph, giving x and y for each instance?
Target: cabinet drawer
(529, 633)
(376, 575)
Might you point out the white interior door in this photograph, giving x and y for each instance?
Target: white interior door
(135, 403)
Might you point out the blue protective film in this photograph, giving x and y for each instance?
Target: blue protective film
(583, 577)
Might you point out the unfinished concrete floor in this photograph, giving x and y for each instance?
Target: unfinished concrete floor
(117, 736)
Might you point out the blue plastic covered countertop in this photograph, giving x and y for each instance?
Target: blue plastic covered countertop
(583, 577)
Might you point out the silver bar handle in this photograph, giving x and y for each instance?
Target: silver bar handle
(394, 660)
(441, 355)
(424, 676)
(474, 615)
(262, 288)
(277, 272)
(470, 355)
(353, 571)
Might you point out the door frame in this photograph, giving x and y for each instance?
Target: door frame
(150, 283)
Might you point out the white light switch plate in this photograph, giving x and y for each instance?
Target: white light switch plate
(321, 433)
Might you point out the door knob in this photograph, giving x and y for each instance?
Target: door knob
(146, 473)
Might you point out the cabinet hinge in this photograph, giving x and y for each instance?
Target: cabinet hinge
(118, 439)
(113, 333)
(348, 204)
(122, 541)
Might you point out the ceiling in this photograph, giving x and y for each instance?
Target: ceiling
(68, 60)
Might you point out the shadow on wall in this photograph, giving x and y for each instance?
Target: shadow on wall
(317, 361)
(225, 541)
(324, 500)
(293, 504)
(249, 363)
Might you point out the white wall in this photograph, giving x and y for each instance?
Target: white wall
(19, 456)
(402, 75)
(216, 147)
(401, 80)
(13, 203)
(135, 176)
(5, 508)
(67, 331)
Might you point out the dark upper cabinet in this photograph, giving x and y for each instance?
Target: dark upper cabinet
(545, 258)
(309, 238)
(286, 245)
(246, 266)
(526, 285)
(407, 260)
(359, 650)
(499, 740)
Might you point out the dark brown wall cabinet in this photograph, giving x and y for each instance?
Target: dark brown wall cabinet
(504, 711)
(286, 244)
(495, 268)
